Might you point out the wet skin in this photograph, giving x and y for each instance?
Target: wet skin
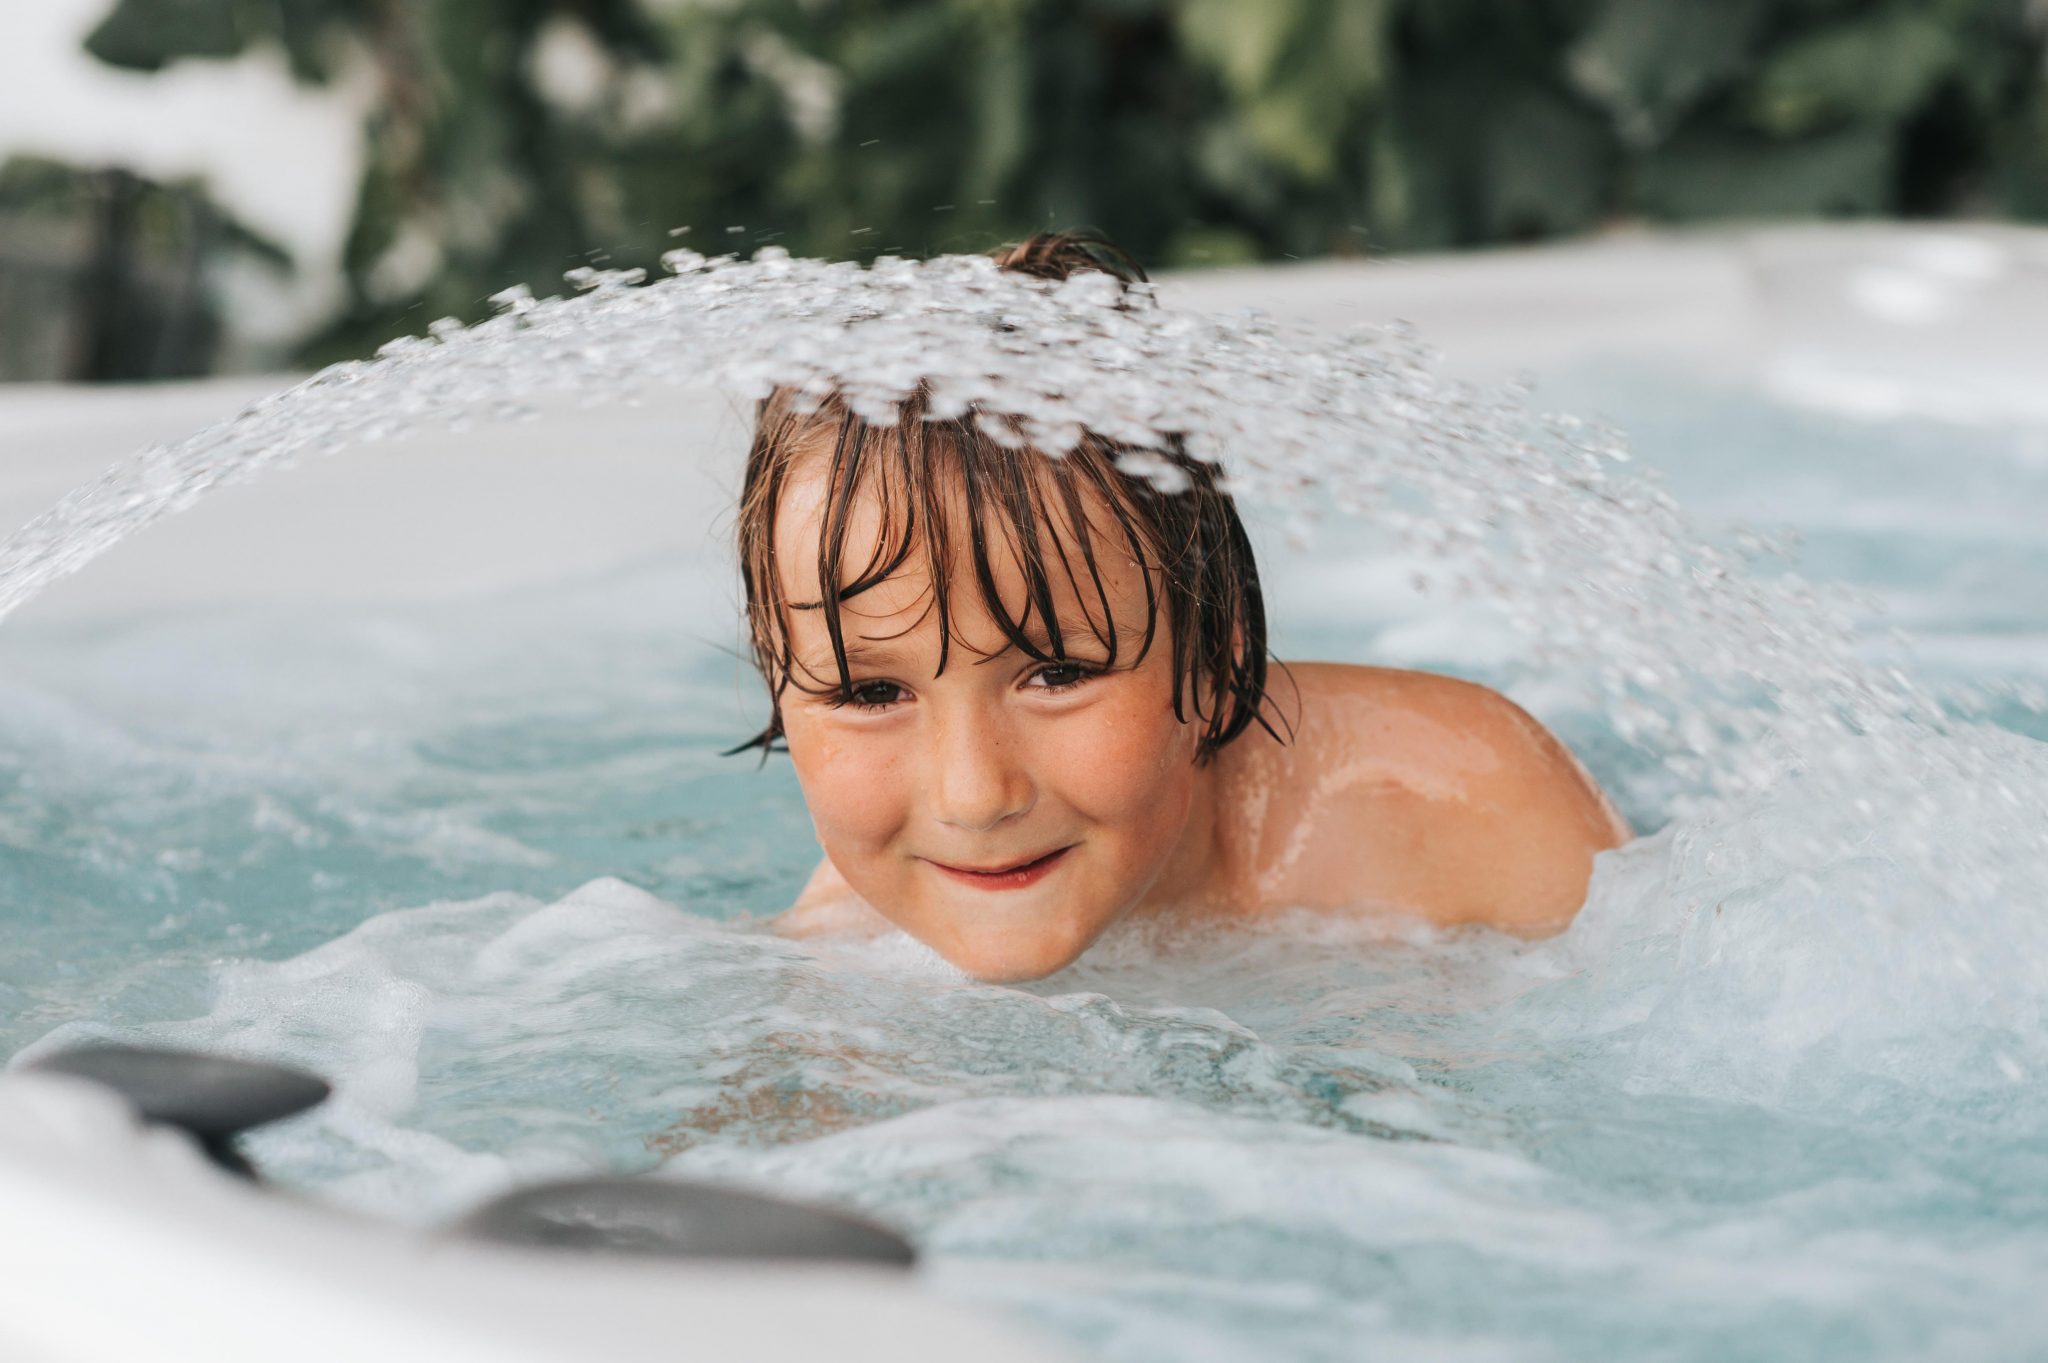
(1007, 811)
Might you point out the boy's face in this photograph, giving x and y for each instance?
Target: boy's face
(1004, 812)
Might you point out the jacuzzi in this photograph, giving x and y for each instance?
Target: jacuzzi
(375, 762)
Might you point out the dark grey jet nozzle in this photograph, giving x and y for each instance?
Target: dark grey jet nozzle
(212, 1097)
(662, 1218)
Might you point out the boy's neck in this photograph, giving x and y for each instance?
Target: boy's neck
(1193, 873)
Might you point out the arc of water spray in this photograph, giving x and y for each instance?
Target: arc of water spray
(1721, 670)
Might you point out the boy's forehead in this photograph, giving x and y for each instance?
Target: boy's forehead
(800, 521)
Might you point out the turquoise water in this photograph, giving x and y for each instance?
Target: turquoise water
(1778, 1093)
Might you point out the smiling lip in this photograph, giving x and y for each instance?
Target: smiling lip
(1012, 877)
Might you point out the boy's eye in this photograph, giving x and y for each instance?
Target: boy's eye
(1062, 676)
(873, 695)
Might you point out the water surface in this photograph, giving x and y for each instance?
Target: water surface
(1777, 1094)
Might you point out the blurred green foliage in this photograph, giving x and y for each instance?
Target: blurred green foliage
(103, 272)
(514, 139)
(169, 216)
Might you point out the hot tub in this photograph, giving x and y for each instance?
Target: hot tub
(404, 765)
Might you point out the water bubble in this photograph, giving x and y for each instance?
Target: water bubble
(517, 300)
(1156, 470)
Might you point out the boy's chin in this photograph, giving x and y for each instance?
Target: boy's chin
(1014, 956)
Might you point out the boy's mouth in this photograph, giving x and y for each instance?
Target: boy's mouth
(1014, 876)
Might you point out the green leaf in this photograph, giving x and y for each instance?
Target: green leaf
(2019, 166)
(1235, 171)
(1292, 126)
(39, 186)
(1536, 166)
(1001, 109)
(1713, 173)
(148, 35)
(1243, 42)
(1544, 167)
(1299, 71)
(1878, 66)
(1648, 63)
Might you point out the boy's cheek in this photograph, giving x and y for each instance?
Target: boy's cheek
(1129, 764)
(852, 795)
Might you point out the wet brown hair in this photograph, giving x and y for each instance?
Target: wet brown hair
(1196, 558)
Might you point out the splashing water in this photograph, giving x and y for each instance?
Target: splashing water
(1601, 572)
(1773, 1095)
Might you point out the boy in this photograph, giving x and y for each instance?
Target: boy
(1027, 697)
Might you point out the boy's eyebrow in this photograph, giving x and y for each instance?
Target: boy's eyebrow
(1072, 626)
(882, 648)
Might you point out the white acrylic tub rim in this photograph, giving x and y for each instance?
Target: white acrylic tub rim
(119, 1243)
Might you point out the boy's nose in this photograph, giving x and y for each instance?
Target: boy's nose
(977, 782)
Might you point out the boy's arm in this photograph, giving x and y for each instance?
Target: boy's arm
(1532, 827)
(1426, 795)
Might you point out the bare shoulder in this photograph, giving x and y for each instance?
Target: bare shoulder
(1417, 792)
(828, 907)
